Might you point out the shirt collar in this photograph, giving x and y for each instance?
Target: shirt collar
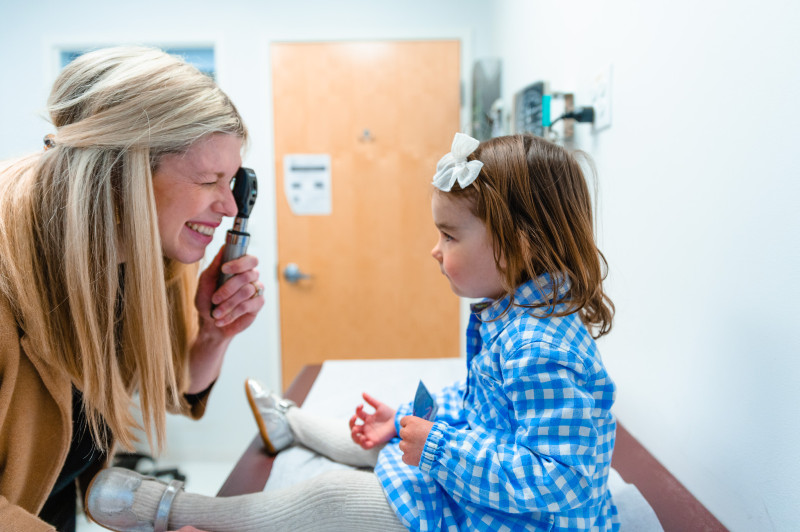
(532, 292)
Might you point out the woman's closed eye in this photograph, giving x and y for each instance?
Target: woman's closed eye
(206, 180)
(215, 179)
(218, 183)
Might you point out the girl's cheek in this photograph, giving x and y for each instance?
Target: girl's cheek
(450, 268)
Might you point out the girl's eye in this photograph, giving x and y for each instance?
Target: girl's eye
(447, 237)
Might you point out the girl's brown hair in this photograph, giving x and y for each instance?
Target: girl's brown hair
(532, 196)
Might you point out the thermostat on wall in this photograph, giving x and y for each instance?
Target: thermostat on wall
(307, 183)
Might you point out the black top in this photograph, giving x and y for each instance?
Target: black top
(59, 509)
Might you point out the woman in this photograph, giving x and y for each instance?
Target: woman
(100, 235)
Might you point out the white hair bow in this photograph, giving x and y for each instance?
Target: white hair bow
(454, 166)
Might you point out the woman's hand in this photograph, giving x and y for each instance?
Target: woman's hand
(237, 301)
(375, 428)
(414, 433)
(237, 304)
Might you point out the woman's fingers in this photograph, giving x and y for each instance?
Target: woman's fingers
(250, 306)
(246, 297)
(240, 265)
(239, 285)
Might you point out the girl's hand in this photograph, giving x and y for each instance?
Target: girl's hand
(375, 428)
(414, 433)
(237, 301)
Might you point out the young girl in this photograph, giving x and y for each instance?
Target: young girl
(525, 442)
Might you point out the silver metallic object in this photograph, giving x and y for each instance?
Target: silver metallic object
(270, 410)
(293, 274)
(161, 523)
(110, 500)
(245, 191)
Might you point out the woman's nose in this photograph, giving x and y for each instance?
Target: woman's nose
(227, 204)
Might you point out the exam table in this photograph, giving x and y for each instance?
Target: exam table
(647, 496)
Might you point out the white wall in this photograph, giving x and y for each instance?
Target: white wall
(698, 216)
(241, 31)
(700, 222)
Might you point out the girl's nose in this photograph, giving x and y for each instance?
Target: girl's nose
(436, 253)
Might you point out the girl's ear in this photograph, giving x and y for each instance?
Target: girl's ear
(523, 261)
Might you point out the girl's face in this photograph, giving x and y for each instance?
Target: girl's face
(464, 250)
(193, 193)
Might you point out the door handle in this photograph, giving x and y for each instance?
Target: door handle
(293, 274)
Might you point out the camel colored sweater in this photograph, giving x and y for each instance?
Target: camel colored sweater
(35, 427)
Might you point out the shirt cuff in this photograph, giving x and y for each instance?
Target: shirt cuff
(432, 450)
(194, 404)
(195, 398)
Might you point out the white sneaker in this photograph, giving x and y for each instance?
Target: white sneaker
(270, 410)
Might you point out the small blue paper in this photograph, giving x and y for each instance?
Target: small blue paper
(424, 405)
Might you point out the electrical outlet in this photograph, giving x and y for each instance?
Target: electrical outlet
(601, 100)
(560, 104)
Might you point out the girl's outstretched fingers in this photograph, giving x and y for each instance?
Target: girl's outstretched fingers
(355, 430)
(374, 403)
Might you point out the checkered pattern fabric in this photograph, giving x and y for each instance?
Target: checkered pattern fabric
(525, 442)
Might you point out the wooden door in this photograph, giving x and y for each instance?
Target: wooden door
(385, 112)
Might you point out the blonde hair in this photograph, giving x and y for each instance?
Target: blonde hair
(69, 215)
(533, 198)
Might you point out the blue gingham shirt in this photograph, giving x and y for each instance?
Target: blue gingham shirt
(525, 442)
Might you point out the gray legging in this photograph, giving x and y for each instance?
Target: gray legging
(347, 500)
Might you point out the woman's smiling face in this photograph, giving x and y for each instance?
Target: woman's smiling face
(193, 193)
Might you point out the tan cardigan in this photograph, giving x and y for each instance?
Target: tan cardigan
(35, 427)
